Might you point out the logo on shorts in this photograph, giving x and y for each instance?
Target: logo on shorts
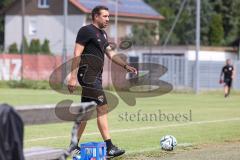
(101, 98)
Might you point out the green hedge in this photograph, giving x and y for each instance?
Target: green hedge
(13, 48)
(30, 84)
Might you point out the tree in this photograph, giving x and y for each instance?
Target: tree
(216, 33)
(168, 9)
(206, 15)
(3, 4)
(35, 46)
(229, 10)
(143, 35)
(184, 32)
(1, 30)
(45, 47)
(13, 48)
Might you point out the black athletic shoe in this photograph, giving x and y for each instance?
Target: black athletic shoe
(76, 150)
(114, 152)
(226, 95)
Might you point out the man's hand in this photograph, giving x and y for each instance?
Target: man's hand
(130, 69)
(220, 80)
(72, 84)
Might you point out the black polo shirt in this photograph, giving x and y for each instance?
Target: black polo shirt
(228, 71)
(95, 42)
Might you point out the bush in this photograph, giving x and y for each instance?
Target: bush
(13, 48)
(45, 47)
(26, 47)
(3, 84)
(35, 46)
(29, 84)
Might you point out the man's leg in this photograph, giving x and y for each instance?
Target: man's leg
(81, 129)
(225, 90)
(102, 121)
(76, 135)
(229, 89)
(77, 131)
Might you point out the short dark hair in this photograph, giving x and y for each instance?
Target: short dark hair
(97, 9)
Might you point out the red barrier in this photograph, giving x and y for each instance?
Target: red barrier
(36, 67)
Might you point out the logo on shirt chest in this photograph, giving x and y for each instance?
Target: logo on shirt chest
(98, 37)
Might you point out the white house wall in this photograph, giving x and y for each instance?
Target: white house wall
(47, 27)
(13, 30)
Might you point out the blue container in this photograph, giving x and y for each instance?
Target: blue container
(93, 151)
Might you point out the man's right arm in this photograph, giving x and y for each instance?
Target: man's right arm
(233, 73)
(221, 75)
(72, 83)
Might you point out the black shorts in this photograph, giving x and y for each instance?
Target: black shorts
(228, 82)
(92, 89)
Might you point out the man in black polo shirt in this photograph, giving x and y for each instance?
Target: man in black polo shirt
(91, 45)
(227, 76)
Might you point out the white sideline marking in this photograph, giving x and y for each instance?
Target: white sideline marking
(139, 129)
(157, 148)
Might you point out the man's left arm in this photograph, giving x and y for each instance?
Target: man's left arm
(112, 55)
(233, 73)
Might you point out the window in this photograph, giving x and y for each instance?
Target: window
(129, 30)
(32, 27)
(43, 3)
(112, 30)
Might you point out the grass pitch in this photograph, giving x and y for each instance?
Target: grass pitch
(211, 119)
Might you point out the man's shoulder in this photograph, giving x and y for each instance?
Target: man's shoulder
(229, 66)
(86, 28)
